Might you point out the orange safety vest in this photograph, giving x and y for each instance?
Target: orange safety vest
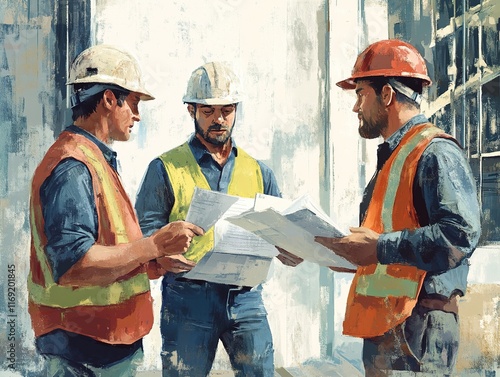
(383, 296)
(119, 313)
(185, 175)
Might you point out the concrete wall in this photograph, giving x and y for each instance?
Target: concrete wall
(28, 99)
(278, 49)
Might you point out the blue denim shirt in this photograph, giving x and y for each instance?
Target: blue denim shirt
(155, 198)
(71, 226)
(447, 205)
(69, 209)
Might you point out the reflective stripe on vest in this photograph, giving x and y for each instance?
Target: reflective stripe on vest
(185, 174)
(420, 137)
(56, 295)
(381, 283)
(383, 296)
(61, 296)
(109, 197)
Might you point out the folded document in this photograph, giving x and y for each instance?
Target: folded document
(247, 229)
(294, 229)
(239, 257)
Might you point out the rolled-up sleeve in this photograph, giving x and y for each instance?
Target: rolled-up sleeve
(449, 194)
(155, 199)
(70, 215)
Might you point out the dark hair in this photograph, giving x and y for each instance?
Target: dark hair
(378, 82)
(85, 109)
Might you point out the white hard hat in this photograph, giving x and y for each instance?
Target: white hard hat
(105, 64)
(213, 84)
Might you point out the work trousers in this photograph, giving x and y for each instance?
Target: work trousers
(196, 315)
(425, 344)
(56, 366)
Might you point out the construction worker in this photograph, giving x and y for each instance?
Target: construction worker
(420, 222)
(196, 314)
(89, 295)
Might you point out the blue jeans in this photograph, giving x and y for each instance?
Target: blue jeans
(56, 366)
(426, 342)
(196, 314)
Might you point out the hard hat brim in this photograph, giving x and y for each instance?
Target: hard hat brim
(145, 94)
(211, 101)
(347, 84)
(350, 83)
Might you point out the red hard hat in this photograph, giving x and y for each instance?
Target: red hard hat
(390, 58)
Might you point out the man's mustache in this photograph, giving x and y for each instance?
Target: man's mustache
(217, 127)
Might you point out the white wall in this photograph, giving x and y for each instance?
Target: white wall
(280, 51)
(354, 159)
(274, 46)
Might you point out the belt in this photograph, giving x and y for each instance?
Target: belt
(208, 283)
(449, 305)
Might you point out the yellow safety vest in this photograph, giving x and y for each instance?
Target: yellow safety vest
(185, 174)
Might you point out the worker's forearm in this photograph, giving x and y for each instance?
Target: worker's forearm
(102, 265)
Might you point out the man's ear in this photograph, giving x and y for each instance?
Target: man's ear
(191, 110)
(108, 99)
(388, 95)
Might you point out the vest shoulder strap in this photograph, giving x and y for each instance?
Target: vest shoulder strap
(247, 179)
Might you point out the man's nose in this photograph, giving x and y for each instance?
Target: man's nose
(218, 116)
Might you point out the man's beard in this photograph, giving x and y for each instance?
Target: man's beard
(371, 129)
(218, 140)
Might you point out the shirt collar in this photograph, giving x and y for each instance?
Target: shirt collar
(199, 150)
(108, 153)
(396, 137)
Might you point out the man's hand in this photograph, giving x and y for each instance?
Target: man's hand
(288, 259)
(359, 247)
(175, 238)
(175, 263)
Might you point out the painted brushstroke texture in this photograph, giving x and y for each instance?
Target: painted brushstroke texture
(293, 118)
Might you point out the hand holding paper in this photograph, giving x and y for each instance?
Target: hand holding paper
(288, 259)
(359, 247)
(175, 237)
(238, 257)
(175, 263)
(294, 230)
(248, 229)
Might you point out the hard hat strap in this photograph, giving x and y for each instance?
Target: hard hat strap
(406, 91)
(84, 94)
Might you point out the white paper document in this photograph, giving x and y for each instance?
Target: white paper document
(294, 229)
(234, 269)
(232, 239)
(263, 201)
(207, 207)
(239, 257)
(246, 230)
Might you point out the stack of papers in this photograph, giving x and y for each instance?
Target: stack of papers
(294, 229)
(248, 229)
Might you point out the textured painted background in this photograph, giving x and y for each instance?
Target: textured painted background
(289, 54)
